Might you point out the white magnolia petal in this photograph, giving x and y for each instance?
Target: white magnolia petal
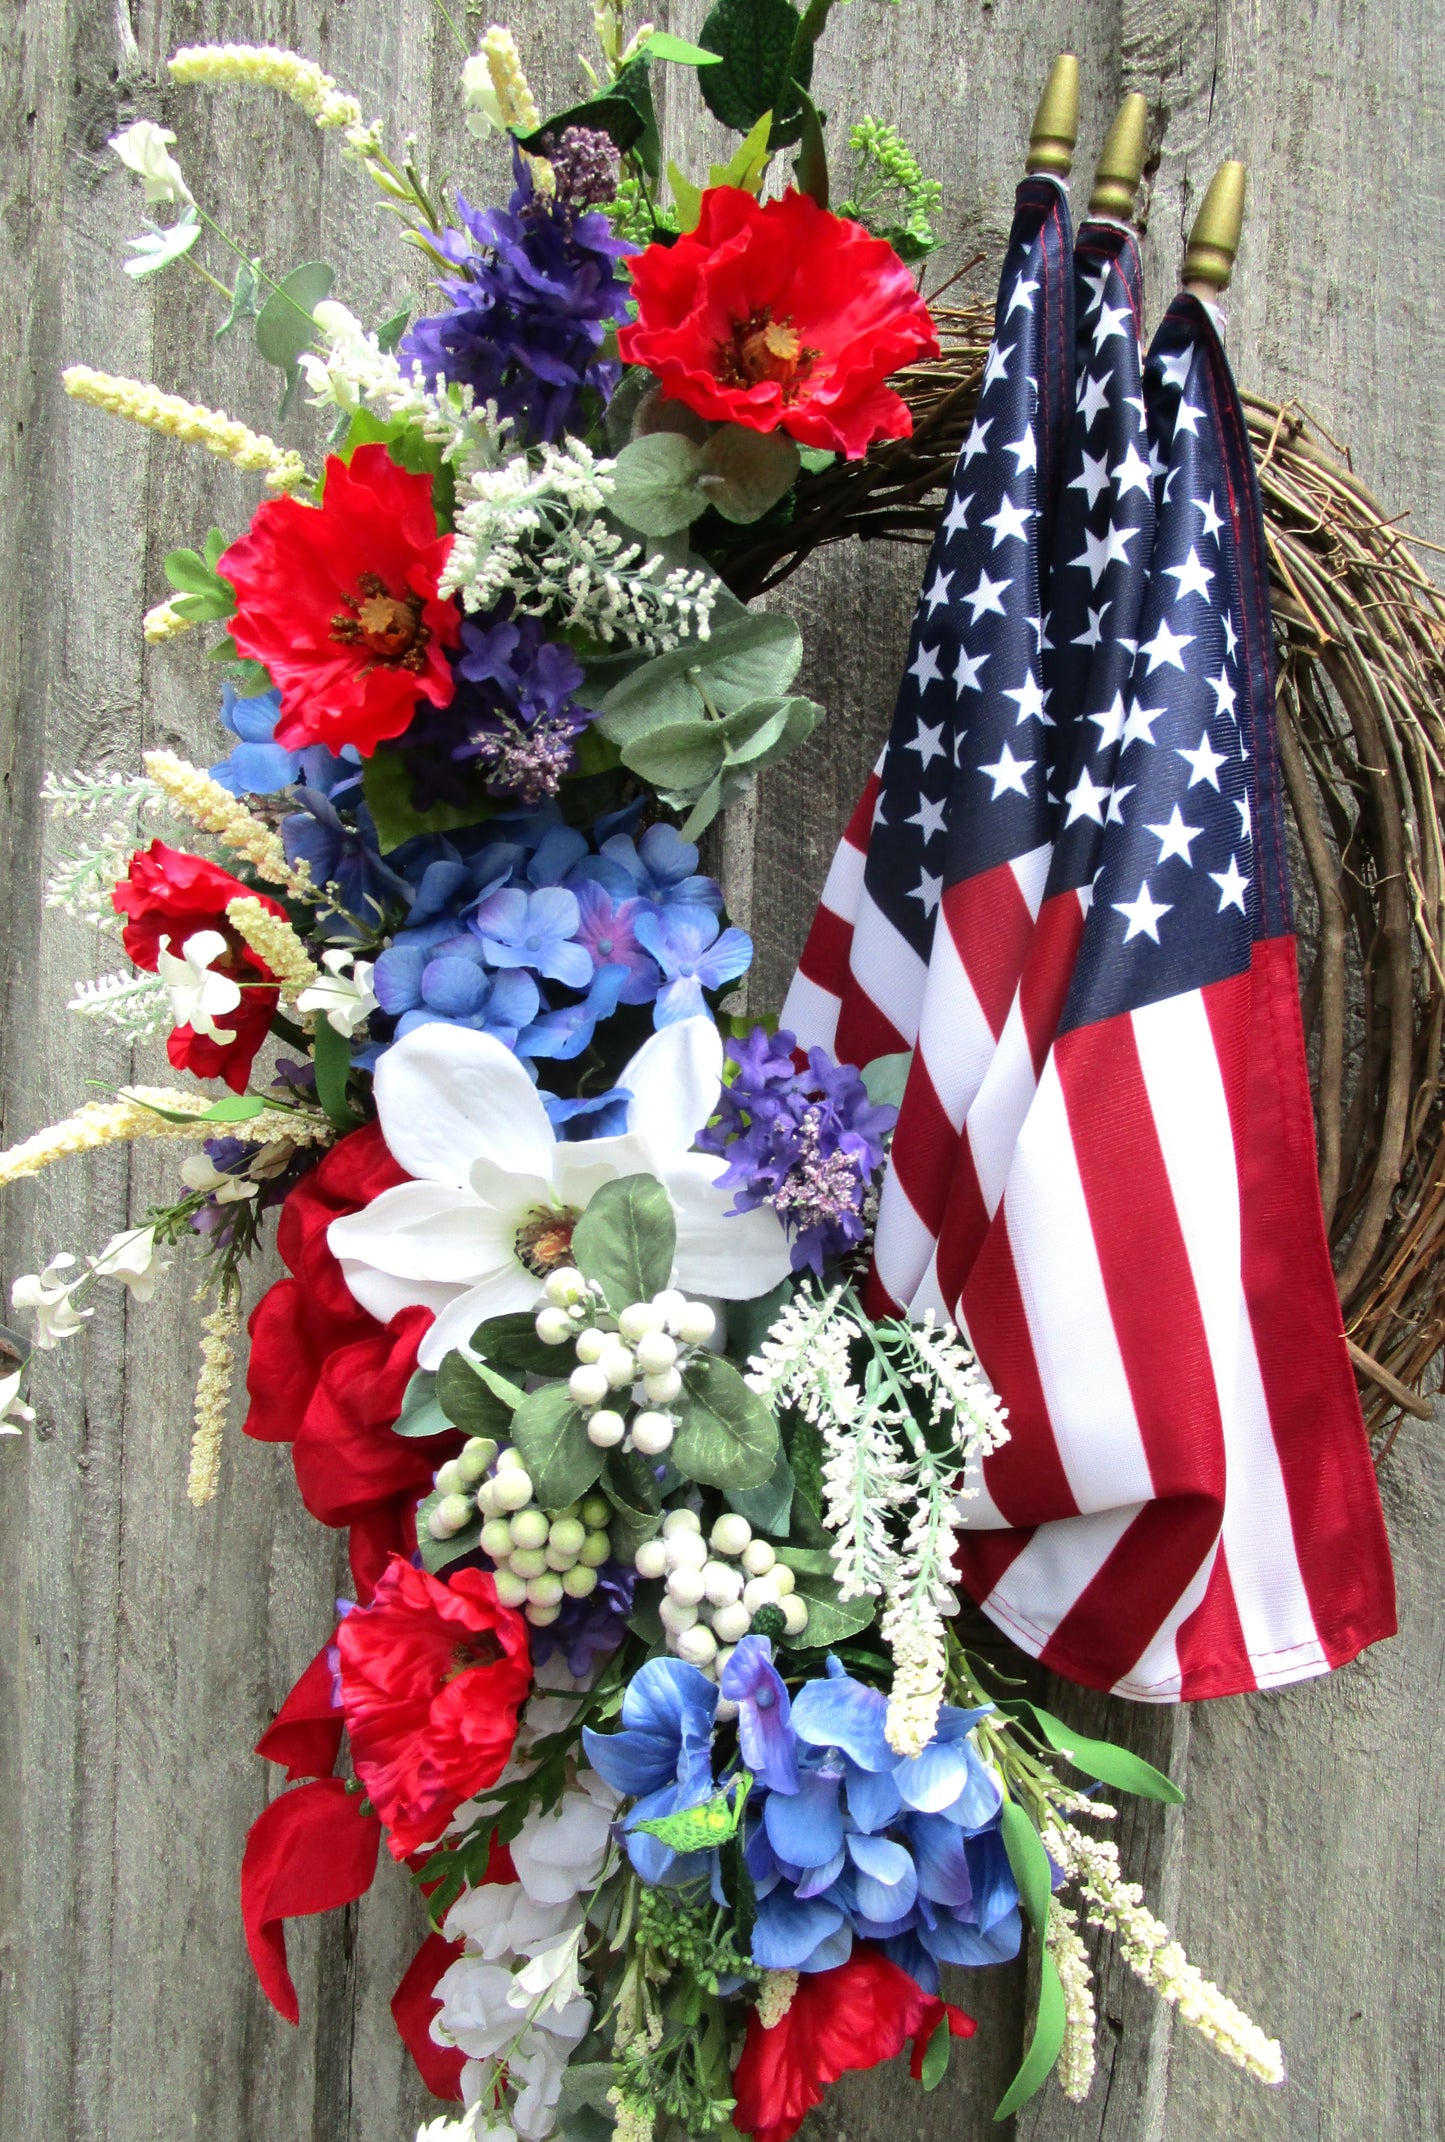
(732, 1256)
(580, 1170)
(384, 1296)
(425, 1231)
(500, 1295)
(510, 1191)
(674, 1080)
(447, 1097)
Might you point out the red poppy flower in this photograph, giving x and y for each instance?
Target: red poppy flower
(853, 2017)
(340, 603)
(329, 1379)
(168, 897)
(432, 1678)
(780, 316)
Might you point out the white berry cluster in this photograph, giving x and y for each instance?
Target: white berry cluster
(633, 1359)
(542, 1557)
(716, 1586)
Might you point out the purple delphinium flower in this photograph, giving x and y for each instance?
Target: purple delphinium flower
(808, 1143)
(346, 856)
(588, 1629)
(513, 715)
(534, 290)
(585, 166)
(606, 929)
(693, 957)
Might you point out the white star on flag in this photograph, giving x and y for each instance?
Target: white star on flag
(996, 366)
(1024, 451)
(1132, 474)
(974, 443)
(1213, 522)
(1110, 322)
(1010, 520)
(1142, 915)
(1139, 728)
(932, 817)
(1166, 646)
(1021, 294)
(1086, 799)
(1111, 722)
(929, 890)
(986, 596)
(1102, 551)
(1006, 773)
(1093, 478)
(1175, 837)
(1089, 637)
(938, 593)
(1135, 401)
(1097, 285)
(956, 519)
(1204, 763)
(1241, 804)
(926, 743)
(1186, 418)
(1114, 816)
(1231, 637)
(1030, 701)
(924, 667)
(1093, 396)
(1224, 692)
(966, 677)
(1193, 577)
(1174, 371)
(1231, 886)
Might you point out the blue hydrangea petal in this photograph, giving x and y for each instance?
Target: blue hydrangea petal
(839, 1712)
(941, 1858)
(812, 1881)
(995, 1892)
(873, 1797)
(933, 1780)
(787, 1931)
(953, 1942)
(806, 1827)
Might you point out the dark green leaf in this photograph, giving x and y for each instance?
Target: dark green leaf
(420, 1414)
(812, 170)
(816, 458)
(468, 1400)
(645, 1621)
(1044, 2046)
(831, 1620)
(935, 2058)
(437, 1554)
(750, 1322)
(809, 1561)
(626, 1240)
(655, 483)
(386, 785)
(511, 1342)
(1101, 1759)
(726, 1437)
(550, 1435)
(742, 474)
(390, 332)
(331, 1055)
(755, 40)
(1030, 1864)
(748, 657)
(284, 327)
(634, 84)
(766, 1508)
(613, 115)
(243, 299)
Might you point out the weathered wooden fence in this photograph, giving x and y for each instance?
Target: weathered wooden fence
(143, 1646)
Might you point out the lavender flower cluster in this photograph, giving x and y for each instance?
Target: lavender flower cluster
(808, 1143)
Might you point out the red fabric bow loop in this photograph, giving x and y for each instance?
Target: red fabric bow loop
(312, 1850)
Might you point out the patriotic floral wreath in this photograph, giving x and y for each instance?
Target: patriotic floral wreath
(649, 1678)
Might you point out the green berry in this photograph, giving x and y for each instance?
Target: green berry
(595, 1511)
(595, 1550)
(529, 1528)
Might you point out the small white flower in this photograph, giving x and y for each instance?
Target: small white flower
(198, 996)
(48, 1294)
(156, 249)
(131, 1258)
(145, 149)
(483, 110)
(499, 1920)
(346, 999)
(197, 1173)
(11, 1408)
(554, 1976)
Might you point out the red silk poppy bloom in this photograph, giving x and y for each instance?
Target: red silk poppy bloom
(432, 1678)
(168, 897)
(781, 317)
(340, 603)
(852, 2017)
(327, 1378)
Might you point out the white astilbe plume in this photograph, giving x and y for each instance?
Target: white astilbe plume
(109, 806)
(1075, 2066)
(1152, 1953)
(534, 528)
(136, 1003)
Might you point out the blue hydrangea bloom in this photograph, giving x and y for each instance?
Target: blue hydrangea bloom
(258, 765)
(693, 957)
(765, 1742)
(449, 983)
(534, 288)
(661, 868)
(608, 929)
(662, 1759)
(534, 930)
(596, 1115)
(566, 1033)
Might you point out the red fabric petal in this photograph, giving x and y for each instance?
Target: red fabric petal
(312, 1850)
(388, 1529)
(856, 2016)
(305, 1734)
(960, 2025)
(347, 1459)
(413, 2005)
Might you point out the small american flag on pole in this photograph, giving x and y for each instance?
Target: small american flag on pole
(1123, 1213)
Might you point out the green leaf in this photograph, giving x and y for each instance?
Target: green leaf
(750, 1322)
(550, 1434)
(386, 785)
(703, 812)
(331, 1056)
(687, 197)
(243, 299)
(511, 1342)
(662, 45)
(194, 573)
(812, 170)
(831, 1620)
(613, 115)
(755, 656)
(391, 330)
(1030, 1864)
(755, 40)
(437, 1554)
(1044, 2046)
(634, 85)
(766, 1508)
(420, 1414)
(234, 1108)
(885, 1078)
(759, 733)
(656, 487)
(726, 1437)
(156, 248)
(935, 2058)
(468, 1399)
(626, 1240)
(685, 756)
(1102, 1759)
(284, 326)
(748, 162)
(742, 474)
(816, 458)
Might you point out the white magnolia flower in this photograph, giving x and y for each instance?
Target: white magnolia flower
(553, 1977)
(560, 1854)
(131, 1258)
(199, 997)
(145, 149)
(11, 1407)
(48, 1294)
(469, 1237)
(346, 999)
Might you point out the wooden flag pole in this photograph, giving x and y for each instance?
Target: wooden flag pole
(1121, 163)
(1056, 122)
(1214, 240)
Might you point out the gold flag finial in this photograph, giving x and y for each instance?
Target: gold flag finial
(1121, 166)
(1056, 122)
(1214, 240)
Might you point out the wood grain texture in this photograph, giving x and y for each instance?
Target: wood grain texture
(145, 1647)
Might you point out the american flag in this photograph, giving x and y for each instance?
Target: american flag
(1124, 1216)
